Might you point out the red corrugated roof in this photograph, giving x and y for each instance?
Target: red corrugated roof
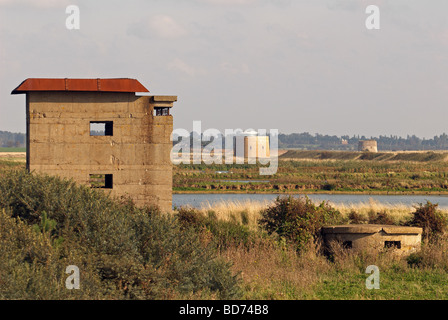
(101, 85)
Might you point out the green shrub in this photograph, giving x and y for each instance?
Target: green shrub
(355, 218)
(298, 220)
(123, 252)
(415, 259)
(189, 217)
(329, 186)
(433, 222)
(244, 217)
(380, 218)
(229, 233)
(223, 233)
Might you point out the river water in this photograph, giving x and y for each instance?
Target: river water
(199, 200)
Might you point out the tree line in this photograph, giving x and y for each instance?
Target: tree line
(306, 141)
(10, 139)
(385, 143)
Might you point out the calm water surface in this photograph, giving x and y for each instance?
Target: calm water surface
(199, 200)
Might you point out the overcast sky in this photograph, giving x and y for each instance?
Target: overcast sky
(293, 65)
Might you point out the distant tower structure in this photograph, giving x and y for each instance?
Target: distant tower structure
(252, 146)
(368, 145)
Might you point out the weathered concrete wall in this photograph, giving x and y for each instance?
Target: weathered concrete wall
(137, 154)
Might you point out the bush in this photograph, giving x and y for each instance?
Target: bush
(189, 217)
(298, 220)
(433, 256)
(355, 218)
(380, 218)
(221, 234)
(433, 222)
(123, 252)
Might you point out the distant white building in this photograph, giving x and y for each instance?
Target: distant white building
(251, 146)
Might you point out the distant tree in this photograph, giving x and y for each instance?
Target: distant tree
(326, 142)
(9, 139)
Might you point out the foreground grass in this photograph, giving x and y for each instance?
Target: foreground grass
(122, 251)
(405, 284)
(271, 269)
(218, 252)
(273, 273)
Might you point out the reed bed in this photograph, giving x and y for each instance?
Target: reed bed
(398, 212)
(248, 212)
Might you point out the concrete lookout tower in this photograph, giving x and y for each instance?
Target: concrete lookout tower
(100, 133)
(368, 145)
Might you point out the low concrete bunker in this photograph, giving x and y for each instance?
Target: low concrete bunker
(372, 236)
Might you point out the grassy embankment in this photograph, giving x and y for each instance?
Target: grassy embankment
(324, 172)
(12, 149)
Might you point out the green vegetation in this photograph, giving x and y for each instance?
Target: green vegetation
(307, 141)
(323, 171)
(12, 149)
(369, 156)
(314, 172)
(433, 222)
(298, 220)
(123, 252)
(272, 268)
(6, 164)
(244, 251)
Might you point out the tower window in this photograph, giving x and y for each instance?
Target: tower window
(161, 111)
(102, 181)
(101, 128)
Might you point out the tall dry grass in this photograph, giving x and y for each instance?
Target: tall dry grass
(397, 212)
(272, 272)
(243, 212)
(272, 269)
(249, 211)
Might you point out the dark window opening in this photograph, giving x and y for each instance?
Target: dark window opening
(101, 128)
(347, 244)
(392, 244)
(103, 181)
(161, 111)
